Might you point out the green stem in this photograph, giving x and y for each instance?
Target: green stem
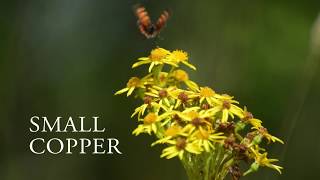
(208, 165)
(156, 73)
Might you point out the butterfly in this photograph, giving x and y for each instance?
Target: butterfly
(146, 27)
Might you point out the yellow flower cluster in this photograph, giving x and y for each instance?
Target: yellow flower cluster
(191, 119)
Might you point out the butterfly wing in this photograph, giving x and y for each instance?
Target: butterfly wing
(142, 15)
(162, 20)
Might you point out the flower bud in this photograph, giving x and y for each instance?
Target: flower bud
(239, 126)
(253, 168)
(257, 140)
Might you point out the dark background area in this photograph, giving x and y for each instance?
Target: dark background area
(67, 58)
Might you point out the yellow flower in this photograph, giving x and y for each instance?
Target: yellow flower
(171, 132)
(262, 160)
(208, 94)
(180, 75)
(132, 84)
(248, 117)
(183, 76)
(207, 139)
(150, 123)
(162, 95)
(157, 56)
(148, 103)
(135, 83)
(182, 98)
(264, 132)
(219, 103)
(150, 118)
(229, 109)
(196, 120)
(179, 146)
(224, 104)
(163, 78)
(181, 56)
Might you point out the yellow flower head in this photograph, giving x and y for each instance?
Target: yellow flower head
(206, 92)
(262, 160)
(181, 143)
(192, 114)
(179, 55)
(150, 118)
(163, 77)
(133, 82)
(202, 134)
(180, 75)
(264, 132)
(207, 139)
(158, 54)
(248, 117)
(173, 131)
(179, 146)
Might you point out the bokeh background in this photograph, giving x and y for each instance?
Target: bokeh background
(67, 58)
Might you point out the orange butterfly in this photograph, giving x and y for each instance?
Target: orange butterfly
(146, 27)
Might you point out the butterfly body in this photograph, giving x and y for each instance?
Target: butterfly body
(146, 27)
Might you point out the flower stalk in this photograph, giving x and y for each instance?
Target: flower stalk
(208, 166)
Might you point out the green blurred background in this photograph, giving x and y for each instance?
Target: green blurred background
(67, 58)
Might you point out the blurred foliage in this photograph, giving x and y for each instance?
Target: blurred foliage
(66, 58)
